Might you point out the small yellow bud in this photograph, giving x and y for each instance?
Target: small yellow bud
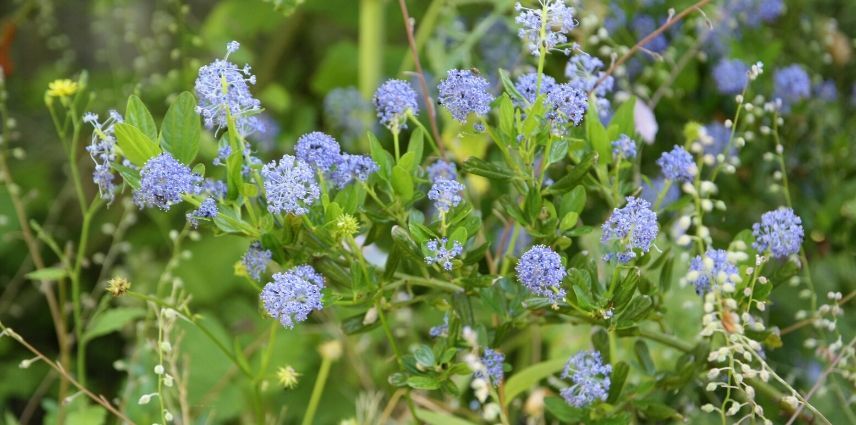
(118, 286)
(347, 225)
(331, 350)
(288, 377)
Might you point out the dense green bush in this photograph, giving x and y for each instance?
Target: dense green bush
(547, 212)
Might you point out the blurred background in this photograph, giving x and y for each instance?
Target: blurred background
(303, 52)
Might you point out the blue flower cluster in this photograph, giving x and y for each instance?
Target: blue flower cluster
(632, 227)
(394, 100)
(590, 377)
(318, 150)
(540, 269)
(569, 103)
(492, 361)
(293, 295)
(255, 260)
(207, 210)
(164, 181)
(624, 147)
(352, 167)
(223, 90)
(102, 150)
(557, 19)
(780, 231)
(712, 270)
(527, 85)
(464, 92)
(442, 255)
(731, 76)
(791, 84)
(442, 169)
(584, 71)
(678, 165)
(446, 194)
(290, 186)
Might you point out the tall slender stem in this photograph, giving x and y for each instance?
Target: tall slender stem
(370, 45)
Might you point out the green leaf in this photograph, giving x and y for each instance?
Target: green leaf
(402, 182)
(623, 121)
(575, 175)
(48, 273)
(129, 175)
(459, 235)
(139, 116)
(644, 356)
(423, 382)
(135, 145)
(596, 133)
(437, 418)
(506, 115)
(532, 205)
(112, 320)
(424, 356)
(491, 170)
(416, 147)
(563, 411)
(381, 157)
(181, 129)
(619, 376)
(559, 150)
(576, 200)
(528, 377)
(569, 221)
(600, 342)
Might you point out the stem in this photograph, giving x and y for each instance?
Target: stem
(75, 288)
(370, 45)
(317, 390)
(666, 186)
(648, 38)
(429, 104)
(397, 150)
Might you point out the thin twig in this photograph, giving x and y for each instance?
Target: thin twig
(810, 320)
(429, 103)
(820, 380)
(57, 367)
(638, 46)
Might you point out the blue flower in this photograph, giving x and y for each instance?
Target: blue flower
(214, 188)
(352, 167)
(712, 270)
(318, 150)
(346, 111)
(559, 21)
(590, 377)
(446, 194)
(826, 91)
(223, 89)
(632, 227)
(442, 255)
(293, 295)
(492, 361)
(780, 231)
(102, 150)
(569, 104)
(394, 100)
(163, 182)
(207, 209)
(791, 85)
(527, 84)
(464, 92)
(255, 260)
(731, 76)
(624, 147)
(585, 71)
(440, 330)
(678, 165)
(441, 169)
(290, 186)
(540, 270)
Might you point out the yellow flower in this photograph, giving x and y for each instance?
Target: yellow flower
(347, 225)
(287, 377)
(62, 88)
(118, 286)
